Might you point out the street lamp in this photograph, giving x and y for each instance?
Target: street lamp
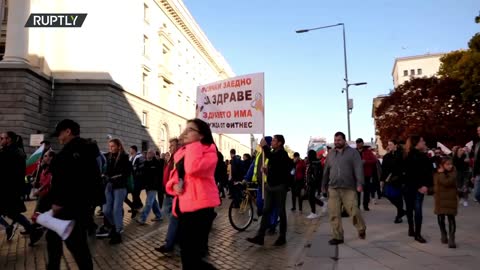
(347, 85)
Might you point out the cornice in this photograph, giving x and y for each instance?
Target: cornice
(182, 23)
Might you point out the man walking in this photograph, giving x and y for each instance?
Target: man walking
(299, 182)
(344, 175)
(369, 168)
(12, 177)
(137, 160)
(74, 172)
(278, 175)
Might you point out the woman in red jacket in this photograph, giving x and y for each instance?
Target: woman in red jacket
(192, 183)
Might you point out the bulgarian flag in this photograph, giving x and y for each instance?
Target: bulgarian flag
(33, 160)
(320, 149)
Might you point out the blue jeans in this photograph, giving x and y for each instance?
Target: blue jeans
(477, 188)
(113, 208)
(151, 203)
(167, 206)
(172, 232)
(414, 203)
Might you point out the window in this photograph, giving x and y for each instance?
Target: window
(412, 72)
(145, 84)
(405, 73)
(146, 13)
(166, 56)
(144, 119)
(163, 139)
(419, 71)
(144, 146)
(146, 46)
(40, 104)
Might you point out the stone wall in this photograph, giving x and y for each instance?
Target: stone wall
(21, 92)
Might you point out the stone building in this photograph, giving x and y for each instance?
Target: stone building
(130, 71)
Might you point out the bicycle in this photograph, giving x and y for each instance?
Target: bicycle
(241, 214)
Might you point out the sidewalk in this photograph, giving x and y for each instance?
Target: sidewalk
(388, 247)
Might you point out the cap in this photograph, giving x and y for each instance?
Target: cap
(359, 140)
(66, 124)
(268, 140)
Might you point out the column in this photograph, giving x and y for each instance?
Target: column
(16, 49)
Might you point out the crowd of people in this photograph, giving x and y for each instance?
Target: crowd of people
(187, 183)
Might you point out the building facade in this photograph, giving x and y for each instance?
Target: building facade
(130, 72)
(404, 69)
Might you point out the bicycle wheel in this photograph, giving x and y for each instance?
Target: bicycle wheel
(241, 216)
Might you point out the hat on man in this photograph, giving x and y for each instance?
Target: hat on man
(67, 124)
(268, 140)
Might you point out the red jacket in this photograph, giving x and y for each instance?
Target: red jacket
(199, 188)
(300, 169)
(166, 171)
(369, 162)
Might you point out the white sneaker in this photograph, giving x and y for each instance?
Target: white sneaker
(312, 216)
(374, 201)
(465, 203)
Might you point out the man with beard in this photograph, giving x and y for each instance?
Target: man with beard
(344, 174)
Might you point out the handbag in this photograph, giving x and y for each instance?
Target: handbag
(392, 192)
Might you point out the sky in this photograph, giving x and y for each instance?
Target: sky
(304, 73)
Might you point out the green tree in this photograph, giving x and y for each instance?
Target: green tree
(464, 66)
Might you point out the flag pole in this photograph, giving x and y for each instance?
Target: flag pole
(263, 152)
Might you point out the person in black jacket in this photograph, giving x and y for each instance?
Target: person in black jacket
(314, 177)
(119, 169)
(391, 175)
(418, 177)
(12, 177)
(74, 171)
(278, 177)
(152, 180)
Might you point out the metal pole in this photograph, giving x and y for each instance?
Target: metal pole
(346, 80)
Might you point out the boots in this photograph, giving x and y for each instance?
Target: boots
(451, 232)
(451, 241)
(443, 230)
(418, 233)
(411, 230)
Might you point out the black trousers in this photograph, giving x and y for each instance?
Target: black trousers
(367, 188)
(136, 202)
(274, 197)
(193, 231)
(312, 199)
(297, 187)
(76, 243)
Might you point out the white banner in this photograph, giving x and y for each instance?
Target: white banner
(233, 106)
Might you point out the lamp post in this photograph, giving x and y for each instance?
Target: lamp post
(347, 85)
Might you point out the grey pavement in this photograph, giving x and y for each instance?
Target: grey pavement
(387, 245)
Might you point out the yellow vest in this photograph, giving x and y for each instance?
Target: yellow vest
(257, 160)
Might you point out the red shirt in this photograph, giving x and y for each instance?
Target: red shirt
(300, 169)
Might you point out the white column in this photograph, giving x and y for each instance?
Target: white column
(17, 34)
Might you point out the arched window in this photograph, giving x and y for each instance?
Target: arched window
(163, 139)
